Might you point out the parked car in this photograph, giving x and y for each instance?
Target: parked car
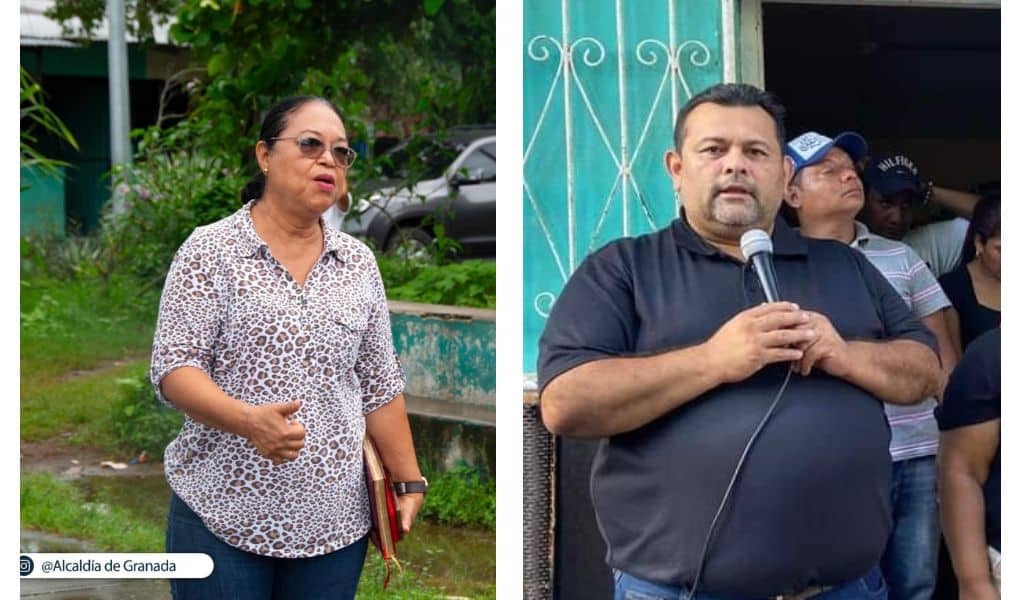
(446, 179)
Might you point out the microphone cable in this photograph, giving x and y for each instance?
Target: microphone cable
(739, 464)
(732, 483)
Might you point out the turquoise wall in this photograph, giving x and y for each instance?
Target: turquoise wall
(603, 81)
(42, 202)
(446, 355)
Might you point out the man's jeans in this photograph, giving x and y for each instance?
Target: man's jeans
(911, 558)
(627, 587)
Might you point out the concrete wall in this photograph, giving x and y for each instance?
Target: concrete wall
(447, 352)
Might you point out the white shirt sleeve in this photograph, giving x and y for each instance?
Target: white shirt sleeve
(939, 244)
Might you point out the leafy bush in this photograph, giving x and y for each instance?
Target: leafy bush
(461, 497)
(141, 422)
(169, 191)
(468, 283)
(69, 258)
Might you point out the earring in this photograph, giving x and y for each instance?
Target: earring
(266, 171)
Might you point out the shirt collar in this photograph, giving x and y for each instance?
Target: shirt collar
(784, 239)
(861, 235)
(249, 242)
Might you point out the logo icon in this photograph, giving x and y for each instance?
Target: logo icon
(26, 565)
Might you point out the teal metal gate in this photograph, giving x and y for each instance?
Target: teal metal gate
(603, 81)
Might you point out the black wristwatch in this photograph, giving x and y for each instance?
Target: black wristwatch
(411, 487)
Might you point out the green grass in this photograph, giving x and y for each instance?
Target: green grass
(55, 506)
(72, 331)
(81, 405)
(76, 324)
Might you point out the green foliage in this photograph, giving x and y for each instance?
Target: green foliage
(141, 423)
(140, 16)
(49, 504)
(35, 114)
(461, 497)
(468, 283)
(398, 61)
(172, 188)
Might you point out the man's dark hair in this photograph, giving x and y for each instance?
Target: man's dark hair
(735, 94)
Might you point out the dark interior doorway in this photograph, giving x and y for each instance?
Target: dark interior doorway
(924, 81)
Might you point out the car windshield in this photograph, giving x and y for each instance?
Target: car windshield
(419, 159)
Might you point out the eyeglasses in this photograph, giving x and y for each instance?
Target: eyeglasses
(312, 147)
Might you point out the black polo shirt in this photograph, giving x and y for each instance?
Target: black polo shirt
(812, 503)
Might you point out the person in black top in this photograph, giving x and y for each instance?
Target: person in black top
(969, 462)
(663, 346)
(974, 287)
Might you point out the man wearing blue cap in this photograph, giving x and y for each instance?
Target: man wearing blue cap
(893, 187)
(663, 347)
(826, 195)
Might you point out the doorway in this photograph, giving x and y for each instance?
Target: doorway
(924, 81)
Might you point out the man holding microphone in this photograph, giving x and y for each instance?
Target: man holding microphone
(719, 475)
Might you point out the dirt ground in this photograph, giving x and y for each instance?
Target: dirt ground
(60, 458)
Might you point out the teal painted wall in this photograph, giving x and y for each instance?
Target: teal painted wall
(83, 61)
(42, 202)
(75, 82)
(603, 81)
(446, 359)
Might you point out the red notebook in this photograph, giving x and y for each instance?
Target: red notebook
(386, 529)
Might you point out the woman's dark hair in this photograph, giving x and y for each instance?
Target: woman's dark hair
(274, 123)
(985, 222)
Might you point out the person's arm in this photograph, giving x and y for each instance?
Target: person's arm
(953, 327)
(899, 371)
(961, 203)
(388, 427)
(609, 396)
(267, 426)
(965, 455)
(927, 302)
(187, 330)
(948, 353)
(902, 367)
(381, 382)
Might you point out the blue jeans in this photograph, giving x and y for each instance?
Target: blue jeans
(627, 587)
(911, 558)
(241, 575)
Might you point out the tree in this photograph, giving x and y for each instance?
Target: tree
(395, 65)
(140, 16)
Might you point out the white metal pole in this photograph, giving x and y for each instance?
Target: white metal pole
(117, 62)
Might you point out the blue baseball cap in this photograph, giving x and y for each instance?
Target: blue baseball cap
(891, 173)
(810, 148)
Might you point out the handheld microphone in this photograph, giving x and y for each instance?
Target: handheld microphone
(756, 247)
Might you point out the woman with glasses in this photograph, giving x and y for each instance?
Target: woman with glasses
(275, 341)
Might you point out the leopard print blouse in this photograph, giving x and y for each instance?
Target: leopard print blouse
(232, 310)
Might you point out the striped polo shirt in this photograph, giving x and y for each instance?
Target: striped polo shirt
(914, 431)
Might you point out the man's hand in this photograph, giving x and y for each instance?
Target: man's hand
(409, 505)
(826, 350)
(274, 434)
(759, 336)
